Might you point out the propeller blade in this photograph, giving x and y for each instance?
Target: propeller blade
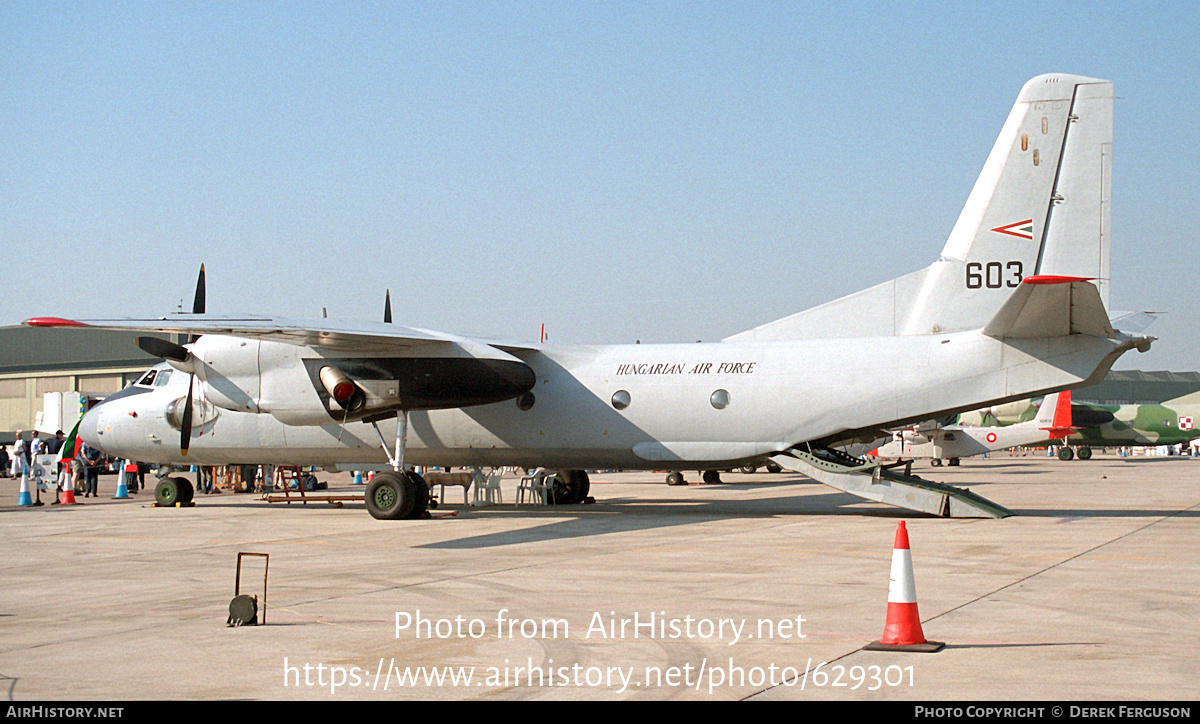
(387, 307)
(200, 301)
(163, 348)
(185, 426)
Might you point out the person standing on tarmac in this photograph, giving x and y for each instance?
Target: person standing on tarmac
(77, 473)
(36, 448)
(53, 445)
(91, 462)
(20, 455)
(36, 472)
(206, 479)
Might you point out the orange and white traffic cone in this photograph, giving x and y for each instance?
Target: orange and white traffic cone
(68, 487)
(902, 631)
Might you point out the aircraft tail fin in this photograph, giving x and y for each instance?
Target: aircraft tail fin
(1040, 207)
(1055, 415)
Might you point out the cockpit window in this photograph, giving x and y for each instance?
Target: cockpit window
(164, 376)
(147, 379)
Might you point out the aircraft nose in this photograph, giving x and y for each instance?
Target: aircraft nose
(89, 426)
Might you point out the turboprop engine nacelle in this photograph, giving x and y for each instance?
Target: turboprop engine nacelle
(228, 370)
(301, 385)
(912, 437)
(280, 379)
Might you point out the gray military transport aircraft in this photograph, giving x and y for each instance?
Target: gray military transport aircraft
(1014, 307)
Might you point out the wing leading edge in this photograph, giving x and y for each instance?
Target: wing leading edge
(346, 337)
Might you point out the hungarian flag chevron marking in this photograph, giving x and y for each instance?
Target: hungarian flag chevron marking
(1019, 229)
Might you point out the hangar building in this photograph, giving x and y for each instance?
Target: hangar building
(34, 361)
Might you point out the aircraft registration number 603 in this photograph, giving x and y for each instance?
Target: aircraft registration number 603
(994, 274)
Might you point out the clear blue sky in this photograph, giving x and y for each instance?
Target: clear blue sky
(617, 171)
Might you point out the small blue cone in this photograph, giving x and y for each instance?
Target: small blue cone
(26, 498)
(122, 488)
(358, 477)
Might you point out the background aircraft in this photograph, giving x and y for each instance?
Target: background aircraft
(1015, 306)
(1170, 423)
(1052, 422)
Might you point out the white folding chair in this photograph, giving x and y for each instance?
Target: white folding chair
(537, 486)
(487, 487)
(488, 492)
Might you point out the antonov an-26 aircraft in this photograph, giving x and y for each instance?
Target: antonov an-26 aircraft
(1014, 307)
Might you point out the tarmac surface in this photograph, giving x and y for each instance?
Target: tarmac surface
(736, 589)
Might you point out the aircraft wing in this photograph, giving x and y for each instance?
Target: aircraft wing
(348, 337)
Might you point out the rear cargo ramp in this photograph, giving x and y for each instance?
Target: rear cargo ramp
(890, 484)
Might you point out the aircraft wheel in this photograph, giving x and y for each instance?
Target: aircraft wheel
(570, 487)
(747, 469)
(166, 492)
(953, 462)
(1085, 453)
(676, 478)
(936, 462)
(186, 491)
(420, 494)
(711, 476)
(774, 468)
(388, 497)
(1066, 454)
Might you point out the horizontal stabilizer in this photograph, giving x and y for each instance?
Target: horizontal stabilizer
(1051, 306)
(1133, 322)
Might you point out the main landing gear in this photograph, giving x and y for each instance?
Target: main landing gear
(397, 493)
(1083, 451)
(713, 477)
(708, 476)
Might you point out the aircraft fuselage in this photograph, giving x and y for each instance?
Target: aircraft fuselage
(642, 406)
